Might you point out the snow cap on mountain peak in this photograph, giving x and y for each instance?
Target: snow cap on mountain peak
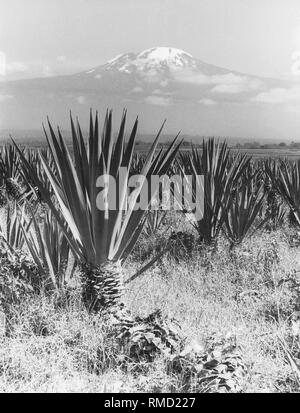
(163, 53)
(149, 59)
(169, 56)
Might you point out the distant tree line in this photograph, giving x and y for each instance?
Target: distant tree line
(256, 145)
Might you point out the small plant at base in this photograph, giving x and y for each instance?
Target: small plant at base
(216, 367)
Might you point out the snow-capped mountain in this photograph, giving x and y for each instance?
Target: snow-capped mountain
(163, 60)
(157, 83)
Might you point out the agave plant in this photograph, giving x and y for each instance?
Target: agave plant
(275, 207)
(49, 249)
(10, 177)
(31, 192)
(287, 182)
(154, 220)
(9, 164)
(137, 163)
(12, 235)
(35, 160)
(221, 175)
(244, 208)
(100, 238)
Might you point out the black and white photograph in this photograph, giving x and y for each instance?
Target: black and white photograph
(149, 199)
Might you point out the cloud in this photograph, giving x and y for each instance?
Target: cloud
(47, 71)
(5, 97)
(229, 79)
(279, 96)
(151, 76)
(224, 83)
(189, 76)
(164, 83)
(61, 58)
(207, 102)
(162, 92)
(81, 100)
(158, 100)
(230, 88)
(293, 108)
(16, 67)
(137, 89)
(59, 65)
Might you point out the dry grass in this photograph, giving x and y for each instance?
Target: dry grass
(211, 293)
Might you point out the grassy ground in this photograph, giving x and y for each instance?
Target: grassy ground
(243, 293)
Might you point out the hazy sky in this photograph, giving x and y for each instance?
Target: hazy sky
(48, 37)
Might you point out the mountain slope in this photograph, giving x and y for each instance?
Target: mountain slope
(194, 96)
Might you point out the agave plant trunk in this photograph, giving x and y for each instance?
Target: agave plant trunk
(102, 285)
